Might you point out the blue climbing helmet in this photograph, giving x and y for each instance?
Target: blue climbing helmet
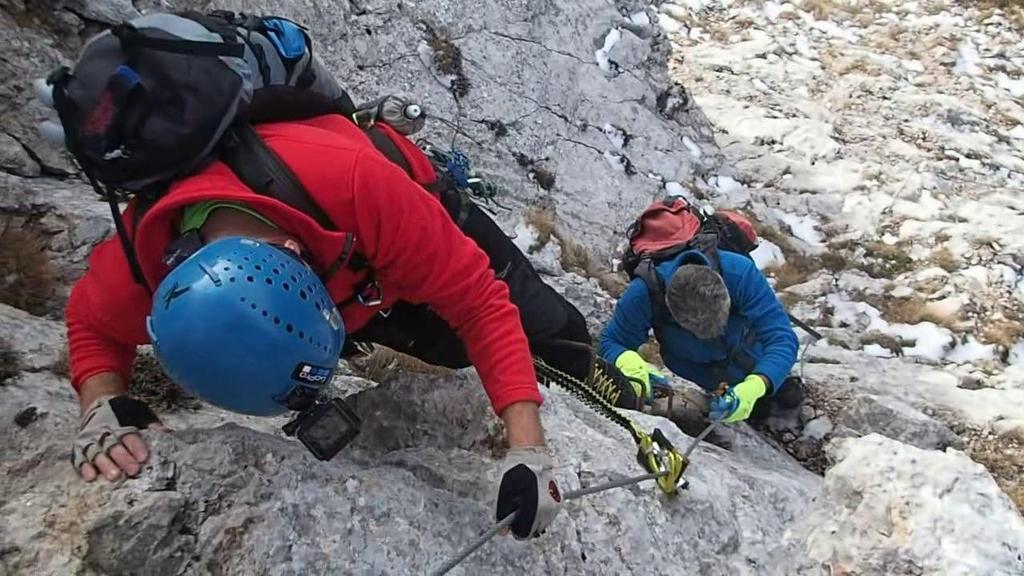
(247, 326)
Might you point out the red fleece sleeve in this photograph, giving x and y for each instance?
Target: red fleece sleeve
(105, 316)
(418, 251)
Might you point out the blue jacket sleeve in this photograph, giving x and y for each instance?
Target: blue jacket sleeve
(757, 302)
(630, 323)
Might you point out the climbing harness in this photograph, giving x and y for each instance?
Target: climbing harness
(654, 451)
(568, 496)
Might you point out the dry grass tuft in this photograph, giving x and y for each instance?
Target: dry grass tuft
(152, 386)
(822, 9)
(543, 177)
(886, 260)
(448, 59)
(944, 258)
(799, 267)
(62, 367)
(913, 310)
(574, 257)
(383, 365)
(27, 278)
(577, 258)
(1004, 458)
(1004, 333)
(543, 221)
(10, 363)
(1014, 10)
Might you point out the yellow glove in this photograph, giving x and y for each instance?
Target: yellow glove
(640, 372)
(738, 401)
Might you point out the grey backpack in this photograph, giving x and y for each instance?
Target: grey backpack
(149, 100)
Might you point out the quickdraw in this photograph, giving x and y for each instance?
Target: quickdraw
(456, 165)
(654, 451)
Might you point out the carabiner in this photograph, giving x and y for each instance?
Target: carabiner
(371, 295)
(657, 455)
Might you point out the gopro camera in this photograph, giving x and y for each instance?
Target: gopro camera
(325, 428)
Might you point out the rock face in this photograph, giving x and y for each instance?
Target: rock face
(889, 417)
(564, 106)
(889, 508)
(236, 498)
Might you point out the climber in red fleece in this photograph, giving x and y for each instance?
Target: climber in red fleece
(429, 276)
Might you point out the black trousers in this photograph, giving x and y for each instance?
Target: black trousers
(788, 400)
(547, 317)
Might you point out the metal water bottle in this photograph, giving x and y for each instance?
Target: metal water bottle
(399, 112)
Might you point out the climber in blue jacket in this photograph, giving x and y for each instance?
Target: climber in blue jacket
(714, 329)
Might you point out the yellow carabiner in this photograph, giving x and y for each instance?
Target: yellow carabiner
(657, 455)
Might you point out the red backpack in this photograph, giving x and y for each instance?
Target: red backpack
(673, 225)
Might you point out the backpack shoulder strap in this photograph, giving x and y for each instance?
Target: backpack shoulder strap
(707, 243)
(647, 272)
(262, 170)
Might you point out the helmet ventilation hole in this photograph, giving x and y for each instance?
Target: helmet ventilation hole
(302, 294)
(289, 328)
(249, 279)
(269, 281)
(258, 267)
(275, 271)
(286, 286)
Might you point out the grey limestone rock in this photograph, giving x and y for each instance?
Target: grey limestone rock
(890, 508)
(888, 416)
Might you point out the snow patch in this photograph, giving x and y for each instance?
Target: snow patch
(640, 18)
(803, 227)
(675, 189)
(669, 24)
(971, 351)
(1016, 357)
(610, 40)
(615, 135)
(767, 255)
(878, 351)
(930, 341)
(524, 236)
(1014, 87)
(695, 150)
(967, 59)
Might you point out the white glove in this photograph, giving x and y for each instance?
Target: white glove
(528, 489)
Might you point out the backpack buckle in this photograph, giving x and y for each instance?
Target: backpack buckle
(371, 295)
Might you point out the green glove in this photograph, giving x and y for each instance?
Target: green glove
(746, 394)
(640, 372)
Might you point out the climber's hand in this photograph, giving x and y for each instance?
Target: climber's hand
(738, 401)
(528, 489)
(108, 442)
(642, 375)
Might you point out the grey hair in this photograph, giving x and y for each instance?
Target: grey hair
(698, 300)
